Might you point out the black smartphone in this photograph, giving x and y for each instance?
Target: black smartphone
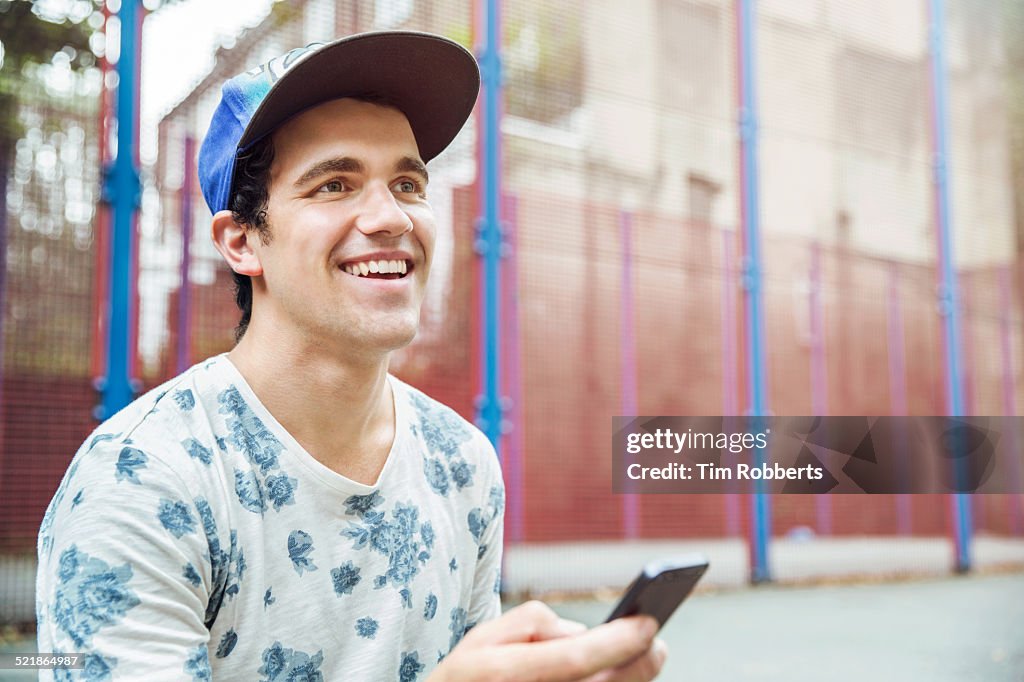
(661, 587)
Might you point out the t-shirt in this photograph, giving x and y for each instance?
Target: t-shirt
(193, 538)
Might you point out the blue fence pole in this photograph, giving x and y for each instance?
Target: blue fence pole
(123, 190)
(949, 299)
(752, 280)
(490, 245)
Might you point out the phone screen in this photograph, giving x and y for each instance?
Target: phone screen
(661, 587)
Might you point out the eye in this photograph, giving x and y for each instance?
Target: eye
(407, 187)
(332, 186)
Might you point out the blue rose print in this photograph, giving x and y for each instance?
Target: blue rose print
(479, 519)
(345, 578)
(359, 505)
(128, 463)
(283, 664)
(198, 664)
(249, 434)
(91, 595)
(250, 491)
(226, 566)
(443, 430)
(462, 472)
(410, 667)
(197, 450)
(458, 626)
(367, 627)
(227, 644)
(427, 534)
(281, 490)
(300, 546)
(395, 539)
(185, 400)
(98, 668)
(437, 475)
(176, 517)
(190, 574)
(101, 437)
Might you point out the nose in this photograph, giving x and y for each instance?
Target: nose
(381, 213)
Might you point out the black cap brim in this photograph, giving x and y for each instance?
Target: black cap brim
(432, 80)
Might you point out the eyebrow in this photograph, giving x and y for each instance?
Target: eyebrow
(344, 164)
(408, 164)
(347, 164)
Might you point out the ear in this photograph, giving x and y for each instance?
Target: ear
(236, 244)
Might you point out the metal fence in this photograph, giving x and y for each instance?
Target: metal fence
(627, 280)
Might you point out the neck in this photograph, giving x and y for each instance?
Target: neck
(338, 408)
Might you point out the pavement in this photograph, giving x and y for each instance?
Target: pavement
(953, 629)
(842, 608)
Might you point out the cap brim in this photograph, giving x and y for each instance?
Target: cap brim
(431, 79)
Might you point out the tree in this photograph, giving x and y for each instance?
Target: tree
(29, 36)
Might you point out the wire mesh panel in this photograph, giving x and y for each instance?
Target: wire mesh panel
(625, 278)
(50, 174)
(980, 36)
(623, 186)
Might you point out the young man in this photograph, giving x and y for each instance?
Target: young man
(289, 510)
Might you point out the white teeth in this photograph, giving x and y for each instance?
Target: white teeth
(364, 268)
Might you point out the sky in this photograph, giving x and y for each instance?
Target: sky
(178, 45)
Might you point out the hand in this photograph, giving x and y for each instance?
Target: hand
(530, 643)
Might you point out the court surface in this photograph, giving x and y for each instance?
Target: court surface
(957, 628)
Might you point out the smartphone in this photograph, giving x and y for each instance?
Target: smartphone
(661, 587)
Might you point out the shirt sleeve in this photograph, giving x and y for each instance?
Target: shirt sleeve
(125, 570)
(490, 519)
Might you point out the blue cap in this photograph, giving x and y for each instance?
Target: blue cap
(431, 79)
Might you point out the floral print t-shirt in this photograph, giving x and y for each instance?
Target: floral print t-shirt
(193, 538)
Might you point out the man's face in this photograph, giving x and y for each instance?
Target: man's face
(347, 208)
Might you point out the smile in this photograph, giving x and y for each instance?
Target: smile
(379, 268)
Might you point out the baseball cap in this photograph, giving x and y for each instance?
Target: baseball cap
(432, 80)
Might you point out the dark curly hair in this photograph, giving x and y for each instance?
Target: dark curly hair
(249, 198)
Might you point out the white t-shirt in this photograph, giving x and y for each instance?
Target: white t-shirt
(193, 538)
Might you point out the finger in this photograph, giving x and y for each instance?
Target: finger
(570, 628)
(528, 622)
(641, 669)
(569, 659)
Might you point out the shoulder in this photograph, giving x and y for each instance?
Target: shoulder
(172, 409)
(151, 465)
(169, 426)
(443, 427)
(446, 436)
